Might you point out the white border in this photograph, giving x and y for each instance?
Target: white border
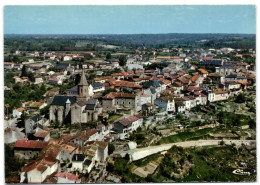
(112, 2)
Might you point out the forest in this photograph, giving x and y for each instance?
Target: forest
(61, 42)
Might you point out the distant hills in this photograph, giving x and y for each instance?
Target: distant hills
(150, 40)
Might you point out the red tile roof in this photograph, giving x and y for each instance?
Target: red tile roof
(30, 144)
(129, 120)
(86, 134)
(69, 176)
(203, 71)
(113, 95)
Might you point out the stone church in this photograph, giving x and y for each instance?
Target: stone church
(80, 108)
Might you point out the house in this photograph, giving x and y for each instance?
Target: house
(116, 100)
(166, 103)
(67, 58)
(34, 122)
(134, 66)
(152, 93)
(115, 64)
(27, 149)
(87, 135)
(41, 135)
(8, 65)
(12, 134)
(236, 78)
(157, 85)
(225, 70)
(66, 153)
(218, 78)
(18, 66)
(180, 107)
(78, 162)
(37, 171)
(98, 88)
(127, 125)
(67, 178)
(55, 81)
(18, 112)
(221, 94)
(212, 62)
(37, 105)
(38, 80)
(203, 72)
(143, 99)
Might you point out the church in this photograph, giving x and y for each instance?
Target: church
(80, 108)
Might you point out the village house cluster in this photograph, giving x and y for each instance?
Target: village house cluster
(190, 78)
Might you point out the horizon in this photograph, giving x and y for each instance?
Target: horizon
(130, 19)
(123, 33)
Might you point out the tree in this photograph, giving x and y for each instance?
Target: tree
(77, 79)
(252, 124)
(122, 60)
(24, 71)
(107, 91)
(108, 56)
(111, 148)
(240, 98)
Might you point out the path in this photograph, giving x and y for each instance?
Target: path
(139, 153)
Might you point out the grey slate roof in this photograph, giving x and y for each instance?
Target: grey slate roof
(78, 157)
(62, 65)
(97, 85)
(83, 80)
(90, 107)
(61, 100)
(153, 91)
(92, 101)
(152, 83)
(35, 118)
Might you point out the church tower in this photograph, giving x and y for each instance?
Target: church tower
(83, 88)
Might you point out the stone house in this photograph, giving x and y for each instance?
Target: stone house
(221, 94)
(27, 149)
(88, 135)
(35, 122)
(152, 92)
(165, 103)
(114, 100)
(37, 171)
(225, 70)
(127, 125)
(143, 99)
(66, 153)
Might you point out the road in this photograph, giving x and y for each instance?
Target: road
(139, 153)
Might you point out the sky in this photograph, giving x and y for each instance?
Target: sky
(129, 19)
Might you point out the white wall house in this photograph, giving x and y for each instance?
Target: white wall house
(127, 125)
(166, 103)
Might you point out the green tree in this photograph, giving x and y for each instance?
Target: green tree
(240, 98)
(111, 148)
(122, 60)
(108, 56)
(24, 71)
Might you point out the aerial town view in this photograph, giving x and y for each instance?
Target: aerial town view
(129, 94)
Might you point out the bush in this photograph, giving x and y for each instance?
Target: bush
(111, 148)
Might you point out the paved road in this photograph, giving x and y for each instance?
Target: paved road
(139, 153)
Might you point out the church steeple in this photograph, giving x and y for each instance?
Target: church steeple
(83, 80)
(83, 88)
